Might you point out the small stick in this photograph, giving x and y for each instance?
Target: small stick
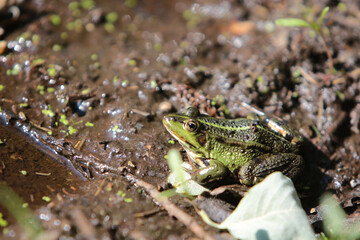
(100, 187)
(327, 50)
(43, 173)
(140, 112)
(171, 208)
(81, 143)
(82, 222)
(320, 111)
(148, 213)
(40, 127)
(307, 76)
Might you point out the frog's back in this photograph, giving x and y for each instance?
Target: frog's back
(245, 132)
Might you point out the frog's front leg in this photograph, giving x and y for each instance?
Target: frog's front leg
(214, 171)
(258, 168)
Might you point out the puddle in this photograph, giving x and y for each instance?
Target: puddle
(32, 174)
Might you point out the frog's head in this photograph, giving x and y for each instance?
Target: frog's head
(188, 131)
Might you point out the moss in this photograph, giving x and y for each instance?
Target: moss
(55, 19)
(46, 198)
(89, 124)
(111, 17)
(72, 130)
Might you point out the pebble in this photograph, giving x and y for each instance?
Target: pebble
(354, 183)
(165, 107)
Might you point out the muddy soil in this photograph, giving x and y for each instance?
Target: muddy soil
(84, 86)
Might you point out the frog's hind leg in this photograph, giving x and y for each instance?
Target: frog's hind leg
(258, 168)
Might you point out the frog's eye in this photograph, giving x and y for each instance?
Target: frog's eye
(191, 125)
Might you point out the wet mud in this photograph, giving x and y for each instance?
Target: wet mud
(85, 84)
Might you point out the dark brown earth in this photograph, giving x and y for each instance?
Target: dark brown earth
(83, 94)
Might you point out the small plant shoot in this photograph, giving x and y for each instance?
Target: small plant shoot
(316, 25)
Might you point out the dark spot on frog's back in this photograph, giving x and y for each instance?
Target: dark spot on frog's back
(289, 137)
(220, 140)
(231, 132)
(253, 126)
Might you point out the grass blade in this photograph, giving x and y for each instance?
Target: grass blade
(292, 22)
(12, 202)
(323, 14)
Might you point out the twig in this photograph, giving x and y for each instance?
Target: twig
(148, 213)
(340, 118)
(43, 173)
(339, 80)
(330, 59)
(171, 208)
(140, 112)
(135, 234)
(2, 166)
(307, 76)
(100, 187)
(354, 119)
(85, 227)
(40, 127)
(320, 111)
(7, 100)
(241, 190)
(81, 143)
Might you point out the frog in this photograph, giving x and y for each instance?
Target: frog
(245, 149)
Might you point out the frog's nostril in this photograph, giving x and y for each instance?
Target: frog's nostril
(168, 119)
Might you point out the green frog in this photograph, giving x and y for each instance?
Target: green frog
(247, 149)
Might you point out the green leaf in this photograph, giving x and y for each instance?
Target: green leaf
(334, 216)
(55, 19)
(270, 210)
(323, 14)
(111, 17)
(174, 162)
(354, 231)
(12, 202)
(335, 220)
(87, 4)
(48, 112)
(51, 71)
(3, 222)
(86, 91)
(46, 198)
(181, 179)
(72, 130)
(37, 62)
(292, 22)
(128, 200)
(130, 3)
(89, 124)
